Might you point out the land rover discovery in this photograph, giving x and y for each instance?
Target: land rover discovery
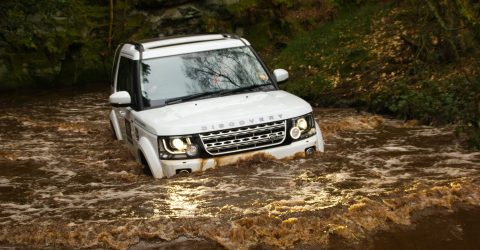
(191, 103)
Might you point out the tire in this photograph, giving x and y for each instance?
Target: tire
(145, 168)
(114, 135)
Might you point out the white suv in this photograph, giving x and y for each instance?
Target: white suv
(191, 103)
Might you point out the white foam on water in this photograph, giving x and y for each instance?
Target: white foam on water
(60, 173)
(396, 148)
(15, 206)
(264, 171)
(455, 162)
(363, 160)
(21, 212)
(387, 170)
(272, 188)
(4, 182)
(338, 177)
(389, 163)
(427, 131)
(388, 179)
(20, 217)
(315, 196)
(463, 156)
(450, 171)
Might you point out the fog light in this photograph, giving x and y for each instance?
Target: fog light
(310, 151)
(183, 171)
(164, 156)
(192, 150)
(295, 133)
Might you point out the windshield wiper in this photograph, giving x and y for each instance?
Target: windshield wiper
(189, 97)
(230, 91)
(204, 94)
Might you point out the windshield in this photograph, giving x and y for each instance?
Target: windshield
(201, 72)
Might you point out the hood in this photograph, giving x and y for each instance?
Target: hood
(224, 112)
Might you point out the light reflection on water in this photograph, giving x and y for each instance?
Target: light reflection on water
(66, 172)
(183, 202)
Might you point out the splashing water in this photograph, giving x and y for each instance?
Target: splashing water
(65, 183)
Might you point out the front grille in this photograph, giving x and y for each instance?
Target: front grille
(244, 138)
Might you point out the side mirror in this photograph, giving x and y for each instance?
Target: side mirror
(281, 75)
(120, 99)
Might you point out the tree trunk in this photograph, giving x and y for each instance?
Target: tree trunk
(443, 25)
(110, 26)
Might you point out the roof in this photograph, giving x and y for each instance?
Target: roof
(169, 46)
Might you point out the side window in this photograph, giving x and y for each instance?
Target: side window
(125, 79)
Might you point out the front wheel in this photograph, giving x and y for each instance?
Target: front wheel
(145, 168)
(114, 135)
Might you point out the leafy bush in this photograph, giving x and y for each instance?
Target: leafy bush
(42, 40)
(393, 59)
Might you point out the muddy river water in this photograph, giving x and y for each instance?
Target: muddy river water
(382, 183)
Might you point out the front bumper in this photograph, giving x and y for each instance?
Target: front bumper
(170, 167)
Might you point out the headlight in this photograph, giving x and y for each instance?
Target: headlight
(302, 124)
(179, 145)
(295, 133)
(303, 127)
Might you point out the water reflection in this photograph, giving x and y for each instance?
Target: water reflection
(224, 69)
(183, 75)
(184, 202)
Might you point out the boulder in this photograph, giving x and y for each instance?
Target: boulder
(180, 13)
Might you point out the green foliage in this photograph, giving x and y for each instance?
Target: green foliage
(313, 89)
(474, 139)
(318, 59)
(344, 3)
(41, 38)
(242, 6)
(406, 67)
(430, 101)
(447, 30)
(264, 21)
(288, 3)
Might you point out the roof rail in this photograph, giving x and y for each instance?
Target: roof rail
(161, 42)
(233, 36)
(183, 40)
(177, 40)
(138, 46)
(225, 35)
